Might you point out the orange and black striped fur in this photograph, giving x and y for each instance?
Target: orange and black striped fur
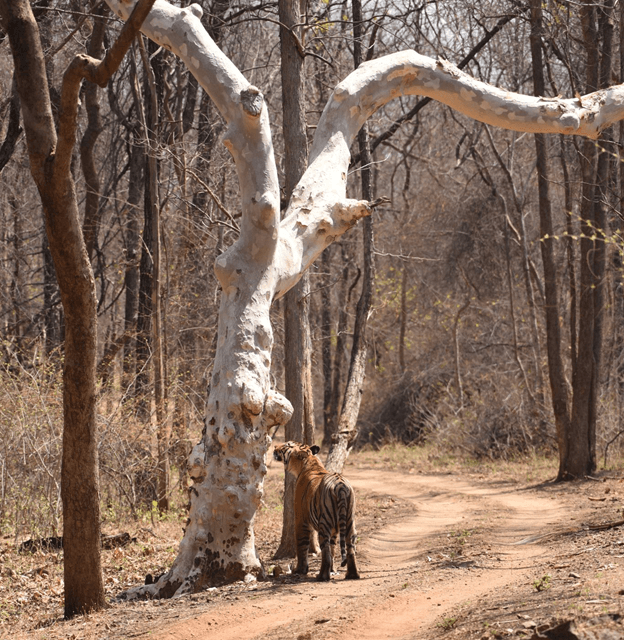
(323, 501)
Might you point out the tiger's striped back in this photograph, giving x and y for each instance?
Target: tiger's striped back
(323, 501)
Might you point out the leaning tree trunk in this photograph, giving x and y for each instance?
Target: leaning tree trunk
(343, 438)
(50, 158)
(228, 465)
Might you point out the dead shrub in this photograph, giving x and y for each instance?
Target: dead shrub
(31, 427)
(408, 414)
(495, 420)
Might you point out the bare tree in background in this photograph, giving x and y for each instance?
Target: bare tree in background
(297, 342)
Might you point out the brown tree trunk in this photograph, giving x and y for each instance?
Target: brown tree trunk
(558, 387)
(13, 130)
(131, 248)
(163, 434)
(52, 314)
(603, 170)
(91, 222)
(570, 257)
(326, 341)
(521, 237)
(344, 437)
(581, 461)
(79, 477)
(403, 320)
(50, 164)
(144, 330)
(341, 337)
(297, 342)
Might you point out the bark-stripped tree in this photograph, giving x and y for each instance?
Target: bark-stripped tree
(270, 256)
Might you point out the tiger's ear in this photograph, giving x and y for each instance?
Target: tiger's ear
(315, 449)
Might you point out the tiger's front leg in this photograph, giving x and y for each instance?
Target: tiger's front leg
(302, 538)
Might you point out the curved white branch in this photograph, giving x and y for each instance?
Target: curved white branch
(314, 219)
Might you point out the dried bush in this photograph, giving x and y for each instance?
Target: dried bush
(407, 415)
(31, 425)
(31, 410)
(496, 419)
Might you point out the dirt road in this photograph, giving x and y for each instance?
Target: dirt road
(464, 541)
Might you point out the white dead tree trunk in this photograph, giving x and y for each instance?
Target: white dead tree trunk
(228, 465)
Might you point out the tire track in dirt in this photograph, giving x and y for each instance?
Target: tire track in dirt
(443, 503)
(397, 596)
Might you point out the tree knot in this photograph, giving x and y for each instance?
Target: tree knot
(252, 99)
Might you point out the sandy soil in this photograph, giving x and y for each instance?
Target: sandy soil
(458, 555)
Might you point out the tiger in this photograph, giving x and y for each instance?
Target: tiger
(325, 502)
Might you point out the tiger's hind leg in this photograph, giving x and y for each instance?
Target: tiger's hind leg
(352, 571)
(332, 547)
(326, 558)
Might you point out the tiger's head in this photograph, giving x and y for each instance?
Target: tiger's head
(294, 455)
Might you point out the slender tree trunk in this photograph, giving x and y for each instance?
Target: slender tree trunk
(91, 221)
(558, 386)
(50, 164)
(526, 268)
(52, 315)
(163, 435)
(13, 130)
(15, 287)
(344, 296)
(570, 257)
(603, 168)
(131, 247)
(297, 342)
(580, 461)
(344, 437)
(326, 341)
(145, 311)
(512, 303)
(403, 323)
(79, 477)
(459, 386)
